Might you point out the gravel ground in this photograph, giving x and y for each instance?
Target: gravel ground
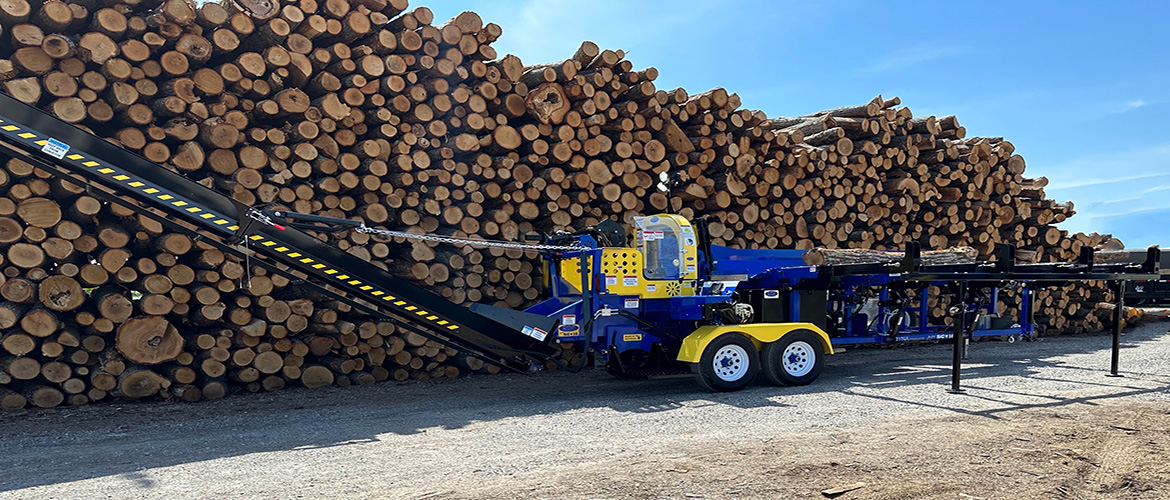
(877, 416)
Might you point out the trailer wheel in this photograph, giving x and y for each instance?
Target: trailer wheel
(796, 359)
(729, 363)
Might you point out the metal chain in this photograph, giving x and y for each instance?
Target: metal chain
(247, 268)
(465, 241)
(264, 219)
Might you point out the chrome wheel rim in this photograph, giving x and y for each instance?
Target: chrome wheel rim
(730, 363)
(799, 359)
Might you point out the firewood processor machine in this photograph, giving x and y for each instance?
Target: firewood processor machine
(674, 304)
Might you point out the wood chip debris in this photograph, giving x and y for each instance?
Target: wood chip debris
(841, 490)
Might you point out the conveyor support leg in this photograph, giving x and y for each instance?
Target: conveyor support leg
(960, 329)
(1118, 317)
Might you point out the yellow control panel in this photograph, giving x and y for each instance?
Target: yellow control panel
(663, 264)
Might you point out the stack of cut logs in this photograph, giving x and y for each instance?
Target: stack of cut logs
(365, 109)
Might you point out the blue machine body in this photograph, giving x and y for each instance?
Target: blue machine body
(871, 325)
(613, 323)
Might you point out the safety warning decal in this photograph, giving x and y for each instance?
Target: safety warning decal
(535, 333)
(55, 148)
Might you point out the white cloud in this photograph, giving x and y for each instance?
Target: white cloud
(1128, 212)
(1155, 189)
(1110, 167)
(1126, 200)
(914, 56)
(1118, 192)
(1126, 106)
(1093, 181)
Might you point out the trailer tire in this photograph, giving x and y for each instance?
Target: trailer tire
(729, 363)
(796, 359)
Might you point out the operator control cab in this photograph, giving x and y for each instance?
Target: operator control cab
(664, 262)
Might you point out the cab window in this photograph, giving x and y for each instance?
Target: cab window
(660, 246)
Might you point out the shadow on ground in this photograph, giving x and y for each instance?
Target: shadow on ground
(123, 439)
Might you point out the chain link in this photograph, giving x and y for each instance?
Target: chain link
(466, 241)
(264, 219)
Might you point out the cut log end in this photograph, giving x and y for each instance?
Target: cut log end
(149, 340)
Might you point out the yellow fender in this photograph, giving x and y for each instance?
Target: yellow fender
(760, 333)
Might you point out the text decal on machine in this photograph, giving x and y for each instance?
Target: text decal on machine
(55, 148)
(535, 333)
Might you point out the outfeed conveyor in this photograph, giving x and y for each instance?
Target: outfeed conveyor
(1145, 293)
(964, 281)
(62, 149)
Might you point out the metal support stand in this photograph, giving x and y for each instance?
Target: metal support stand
(960, 330)
(1118, 317)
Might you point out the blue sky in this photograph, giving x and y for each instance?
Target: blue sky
(1081, 88)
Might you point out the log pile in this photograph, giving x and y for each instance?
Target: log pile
(293, 105)
(100, 302)
(370, 109)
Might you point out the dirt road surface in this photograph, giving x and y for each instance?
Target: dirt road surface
(1040, 420)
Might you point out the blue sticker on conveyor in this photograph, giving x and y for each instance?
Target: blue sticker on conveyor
(52, 146)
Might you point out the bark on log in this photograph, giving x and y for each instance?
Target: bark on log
(827, 256)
